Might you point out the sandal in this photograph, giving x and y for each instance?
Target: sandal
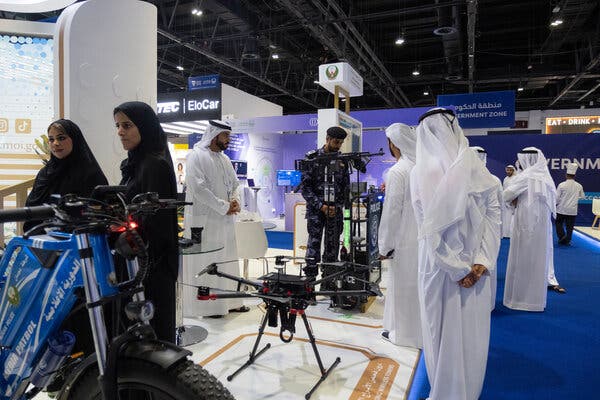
(240, 309)
(557, 289)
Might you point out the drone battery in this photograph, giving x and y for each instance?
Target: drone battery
(272, 315)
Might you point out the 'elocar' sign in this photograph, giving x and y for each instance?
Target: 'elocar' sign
(189, 106)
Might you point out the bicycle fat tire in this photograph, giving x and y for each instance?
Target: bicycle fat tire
(185, 381)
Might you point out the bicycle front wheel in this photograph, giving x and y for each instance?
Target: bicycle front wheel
(141, 380)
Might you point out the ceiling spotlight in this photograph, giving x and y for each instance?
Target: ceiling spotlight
(275, 56)
(556, 22)
(416, 72)
(315, 81)
(426, 93)
(197, 12)
(520, 89)
(529, 66)
(179, 67)
(400, 41)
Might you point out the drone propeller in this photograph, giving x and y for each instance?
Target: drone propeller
(228, 294)
(207, 270)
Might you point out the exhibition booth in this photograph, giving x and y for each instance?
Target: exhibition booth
(294, 135)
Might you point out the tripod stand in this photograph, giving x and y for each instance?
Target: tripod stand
(287, 323)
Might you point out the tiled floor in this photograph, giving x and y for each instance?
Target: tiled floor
(370, 367)
(586, 230)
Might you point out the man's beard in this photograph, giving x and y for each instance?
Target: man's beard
(222, 145)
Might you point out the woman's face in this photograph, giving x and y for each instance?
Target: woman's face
(127, 131)
(61, 144)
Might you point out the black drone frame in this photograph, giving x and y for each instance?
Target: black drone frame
(287, 296)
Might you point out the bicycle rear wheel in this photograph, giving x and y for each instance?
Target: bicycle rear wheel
(141, 380)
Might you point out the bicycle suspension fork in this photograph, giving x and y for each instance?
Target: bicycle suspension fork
(92, 295)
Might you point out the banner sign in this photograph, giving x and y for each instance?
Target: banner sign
(583, 124)
(189, 106)
(559, 150)
(204, 82)
(482, 110)
(300, 123)
(343, 75)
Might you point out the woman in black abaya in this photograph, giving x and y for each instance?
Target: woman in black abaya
(72, 167)
(149, 168)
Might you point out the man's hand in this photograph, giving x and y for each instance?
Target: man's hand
(472, 277)
(329, 211)
(234, 207)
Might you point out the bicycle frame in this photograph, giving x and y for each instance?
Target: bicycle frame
(39, 278)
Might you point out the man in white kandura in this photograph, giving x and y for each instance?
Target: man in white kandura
(508, 210)
(213, 187)
(530, 258)
(458, 215)
(482, 154)
(568, 194)
(398, 234)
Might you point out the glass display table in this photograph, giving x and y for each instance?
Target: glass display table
(187, 335)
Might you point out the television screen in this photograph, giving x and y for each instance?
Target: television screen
(240, 167)
(288, 177)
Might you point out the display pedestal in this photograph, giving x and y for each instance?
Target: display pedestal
(187, 335)
(251, 242)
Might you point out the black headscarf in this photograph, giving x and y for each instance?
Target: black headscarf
(77, 173)
(149, 168)
(154, 139)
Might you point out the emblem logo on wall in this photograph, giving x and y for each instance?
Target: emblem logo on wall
(332, 72)
(13, 295)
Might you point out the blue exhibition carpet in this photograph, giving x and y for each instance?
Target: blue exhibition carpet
(549, 355)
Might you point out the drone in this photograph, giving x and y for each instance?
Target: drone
(287, 296)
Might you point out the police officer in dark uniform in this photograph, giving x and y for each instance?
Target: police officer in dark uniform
(324, 209)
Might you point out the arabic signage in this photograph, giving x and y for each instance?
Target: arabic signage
(482, 110)
(189, 106)
(204, 82)
(582, 124)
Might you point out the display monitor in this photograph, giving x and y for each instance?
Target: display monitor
(288, 177)
(240, 168)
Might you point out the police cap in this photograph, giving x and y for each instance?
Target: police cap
(336, 132)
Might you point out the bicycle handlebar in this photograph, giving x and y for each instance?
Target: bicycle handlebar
(26, 214)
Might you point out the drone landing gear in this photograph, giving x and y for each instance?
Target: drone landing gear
(254, 355)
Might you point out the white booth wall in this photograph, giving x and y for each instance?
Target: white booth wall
(96, 69)
(237, 104)
(263, 152)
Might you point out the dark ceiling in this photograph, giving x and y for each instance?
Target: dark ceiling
(488, 45)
